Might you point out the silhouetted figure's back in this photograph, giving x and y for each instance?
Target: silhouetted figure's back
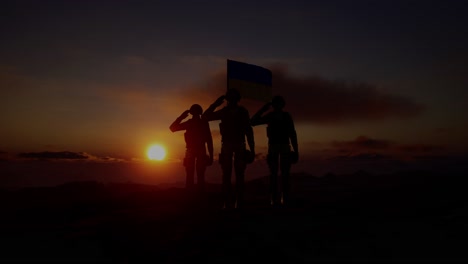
(234, 128)
(281, 135)
(197, 137)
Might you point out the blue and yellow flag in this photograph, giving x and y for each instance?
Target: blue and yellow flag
(251, 81)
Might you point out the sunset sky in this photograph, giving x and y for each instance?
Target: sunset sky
(362, 79)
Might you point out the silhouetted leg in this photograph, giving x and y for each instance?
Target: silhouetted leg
(239, 167)
(285, 166)
(201, 167)
(189, 163)
(240, 186)
(226, 166)
(272, 160)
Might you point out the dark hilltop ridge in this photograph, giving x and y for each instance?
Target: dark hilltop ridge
(414, 215)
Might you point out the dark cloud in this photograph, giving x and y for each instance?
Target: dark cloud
(361, 142)
(69, 155)
(362, 157)
(435, 157)
(312, 144)
(420, 148)
(3, 155)
(318, 100)
(53, 155)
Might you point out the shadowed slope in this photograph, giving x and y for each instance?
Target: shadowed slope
(335, 217)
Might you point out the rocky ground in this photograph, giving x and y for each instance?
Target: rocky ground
(359, 217)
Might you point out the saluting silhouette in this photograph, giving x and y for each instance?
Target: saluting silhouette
(197, 138)
(281, 135)
(234, 128)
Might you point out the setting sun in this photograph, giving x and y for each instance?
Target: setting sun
(156, 152)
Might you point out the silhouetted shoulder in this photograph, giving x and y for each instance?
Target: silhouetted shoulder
(268, 116)
(289, 118)
(278, 117)
(244, 109)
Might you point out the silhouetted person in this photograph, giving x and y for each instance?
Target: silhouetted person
(234, 128)
(281, 135)
(197, 138)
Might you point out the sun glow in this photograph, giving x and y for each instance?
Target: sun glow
(156, 152)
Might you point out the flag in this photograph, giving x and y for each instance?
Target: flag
(251, 81)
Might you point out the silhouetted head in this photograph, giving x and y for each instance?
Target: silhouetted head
(196, 110)
(233, 96)
(278, 102)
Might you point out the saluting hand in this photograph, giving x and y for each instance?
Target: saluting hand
(219, 101)
(185, 114)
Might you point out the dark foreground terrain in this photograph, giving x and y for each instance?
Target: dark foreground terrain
(406, 216)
